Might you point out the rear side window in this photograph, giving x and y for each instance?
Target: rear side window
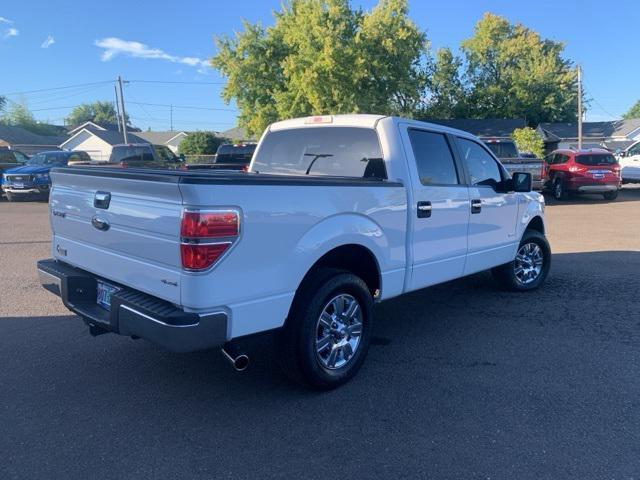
(130, 154)
(483, 169)
(322, 151)
(601, 159)
(434, 159)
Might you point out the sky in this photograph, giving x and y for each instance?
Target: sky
(161, 49)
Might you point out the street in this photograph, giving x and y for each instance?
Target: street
(462, 380)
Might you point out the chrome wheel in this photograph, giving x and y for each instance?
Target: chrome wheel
(528, 263)
(338, 332)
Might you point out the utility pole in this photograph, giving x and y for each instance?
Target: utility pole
(579, 107)
(117, 109)
(123, 115)
(171, 116)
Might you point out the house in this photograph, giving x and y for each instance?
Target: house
(27, 142)
(98, 141)
(171, 139)
(613, 135)
(498, 128)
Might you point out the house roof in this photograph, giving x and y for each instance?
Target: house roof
(489, 127)
(159, 138)
(108, 136)
(237, 133)
(114, 127)
(19, 136)
(554, 132)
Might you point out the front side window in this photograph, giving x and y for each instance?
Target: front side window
(434, 159)
(483, 169)
(321, 151)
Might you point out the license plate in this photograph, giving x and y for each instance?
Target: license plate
(598, 175)
(17, 184)
(105, 291)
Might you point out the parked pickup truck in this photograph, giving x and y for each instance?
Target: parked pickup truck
(513, 161)
(335, 213)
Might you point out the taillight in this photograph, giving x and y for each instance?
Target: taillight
(124, 164)
(206, 236)
(245, 168)
(577, 168)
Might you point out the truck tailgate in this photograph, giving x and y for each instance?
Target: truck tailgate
(134, 240)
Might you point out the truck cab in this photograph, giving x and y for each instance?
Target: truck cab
(630, 164)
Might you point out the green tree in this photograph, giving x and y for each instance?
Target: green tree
(528, 140)
(200, 143)
(634, 111)
(19, 115)
(97, 112)
(3, 103)
(446, 91)
(322, 56)
(513, 72)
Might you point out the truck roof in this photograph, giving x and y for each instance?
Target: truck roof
(363, 120)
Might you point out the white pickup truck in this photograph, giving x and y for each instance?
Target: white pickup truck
(335, 213)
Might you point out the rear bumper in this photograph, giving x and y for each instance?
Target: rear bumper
(133, 313)
(597, 188)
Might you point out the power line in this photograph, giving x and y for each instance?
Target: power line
(184, 106)
(176, 82)
(24, 92)
(596, 101)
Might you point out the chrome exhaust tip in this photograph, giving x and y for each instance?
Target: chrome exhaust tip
(239, 360)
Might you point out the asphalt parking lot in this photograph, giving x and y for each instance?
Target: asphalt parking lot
(463, 380)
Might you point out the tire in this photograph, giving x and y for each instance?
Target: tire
(559, 191)
(298, 343)
(507, 275)
(611, 195)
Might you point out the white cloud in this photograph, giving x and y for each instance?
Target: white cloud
(48, 42)
(5, 20)
(11, 32)
(115, 46)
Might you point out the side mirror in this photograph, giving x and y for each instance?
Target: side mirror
(522, 182)
(623, 154)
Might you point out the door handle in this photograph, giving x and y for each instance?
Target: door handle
(424, 209)
(476, 206)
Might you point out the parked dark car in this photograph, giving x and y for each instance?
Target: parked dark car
(144, 155)
(582, 171)
(31, 179)
(235, 156)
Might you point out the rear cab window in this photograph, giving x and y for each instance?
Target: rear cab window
(502, 149)
(235, 154)
(131, 153)
(321, 151)
(596, 159)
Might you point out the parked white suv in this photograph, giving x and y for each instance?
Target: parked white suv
(336, 213)
(630, 164)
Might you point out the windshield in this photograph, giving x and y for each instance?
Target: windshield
(503, 149)
(326, 151)
(601, 159)
(47, 159)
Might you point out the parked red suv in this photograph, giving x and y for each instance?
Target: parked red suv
(582, 171)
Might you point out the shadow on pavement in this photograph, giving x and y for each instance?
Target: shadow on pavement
(460, 378)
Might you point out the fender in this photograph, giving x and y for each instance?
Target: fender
(345, 229)
(532, 205)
